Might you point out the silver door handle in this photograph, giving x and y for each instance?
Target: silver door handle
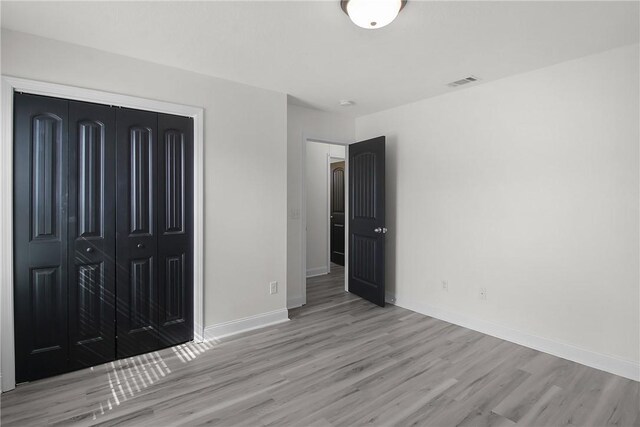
(382, 230)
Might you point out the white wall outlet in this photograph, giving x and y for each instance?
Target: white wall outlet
(483, 293)
(445, 285)
(273, 288)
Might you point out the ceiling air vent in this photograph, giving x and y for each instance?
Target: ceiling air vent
(464, 81)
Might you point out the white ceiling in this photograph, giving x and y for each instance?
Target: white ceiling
(311, 51)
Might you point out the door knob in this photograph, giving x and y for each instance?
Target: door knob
(379, 230)
(140, 246)
(89, 250)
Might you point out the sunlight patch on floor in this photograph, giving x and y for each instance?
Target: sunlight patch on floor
(129, 377)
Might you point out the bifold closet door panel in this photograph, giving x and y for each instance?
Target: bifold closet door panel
(40, 235)
(136, 240)
(92, 196)
(175, 229)
(103, 233)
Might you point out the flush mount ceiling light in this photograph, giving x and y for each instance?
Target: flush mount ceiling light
(372, 14)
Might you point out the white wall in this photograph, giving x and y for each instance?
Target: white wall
(305, 123)
(317, 203)
(337, 152)
(528, 187)
(245, 168)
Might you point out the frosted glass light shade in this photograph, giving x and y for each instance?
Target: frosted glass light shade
(372, 14)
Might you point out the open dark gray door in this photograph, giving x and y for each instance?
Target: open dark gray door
(367, 219)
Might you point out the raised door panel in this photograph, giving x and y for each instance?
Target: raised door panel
(175, 220)
(141, 181)
(47, 294)
(40, 235)
(46, 151)
(141, 293)
(92, 148)
(364, 195)
(90, 160)
(364, 250)
(90, 288)
(337, 189)
(137, 219)
(174, 290)
(174, 181)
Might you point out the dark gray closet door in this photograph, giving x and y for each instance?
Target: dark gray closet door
(103, 233)
(40, 236)
(92, 184)
(137, 240)
(175, 229)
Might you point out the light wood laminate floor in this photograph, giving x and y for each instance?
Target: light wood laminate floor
(339, 361)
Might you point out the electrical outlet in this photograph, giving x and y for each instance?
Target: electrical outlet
(273, 288)
(483, 293)
(445, 285)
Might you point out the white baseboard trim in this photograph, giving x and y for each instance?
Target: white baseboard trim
(245, 324)
(295, 302)
(614, 365)
(390, 299)
(318, 271)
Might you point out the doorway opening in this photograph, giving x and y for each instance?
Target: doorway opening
(363, 273)
(325, 169)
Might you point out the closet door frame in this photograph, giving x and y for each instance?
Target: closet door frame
(10, 85)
